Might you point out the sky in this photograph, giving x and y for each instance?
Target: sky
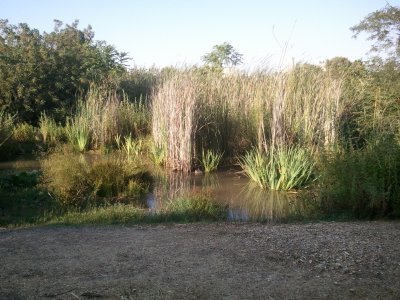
(176, 32)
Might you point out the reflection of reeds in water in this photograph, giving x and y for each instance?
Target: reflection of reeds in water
(210, 181)
(177, 184)
(246, 200)
(172, 185)
(258, 204)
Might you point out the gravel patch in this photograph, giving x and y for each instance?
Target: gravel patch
(330, 260)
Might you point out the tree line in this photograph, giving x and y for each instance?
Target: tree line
(45, 72)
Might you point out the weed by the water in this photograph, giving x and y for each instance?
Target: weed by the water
(73, 180)
(194, 208)
(210, 160)
(283, 168)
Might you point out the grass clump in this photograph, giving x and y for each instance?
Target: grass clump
(158, 154)
(185, 209)
(49, 131)
(283, 168)
(210, 160)
(132, 148)
(194, 208)
(101, 215)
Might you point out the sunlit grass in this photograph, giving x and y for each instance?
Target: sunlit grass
(283, 168)
(210, 160)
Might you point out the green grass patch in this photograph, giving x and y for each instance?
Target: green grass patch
(283, 168)
(210, 160)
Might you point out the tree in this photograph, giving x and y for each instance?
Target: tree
(383, 27)
(44, 72)
(223, 55)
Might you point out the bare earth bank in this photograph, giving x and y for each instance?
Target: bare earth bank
(203, 261)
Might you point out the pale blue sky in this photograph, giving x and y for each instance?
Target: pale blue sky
(179, 32)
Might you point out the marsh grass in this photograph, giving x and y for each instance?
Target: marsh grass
(103, 117)
(49, 130)
(77, 132)
(24, 133)
(132, 148)
(298, 106)
(210, 160)
(362, 182)
(194, 208)
(75, 181)
(183, 210)
(158, 154)
(283, 168)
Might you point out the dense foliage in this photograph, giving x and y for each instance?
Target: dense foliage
(332, 129)
(45, 71)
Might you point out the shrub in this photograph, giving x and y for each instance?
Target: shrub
(66, 176)
(24, 133)
(119, 180)
(363, 182)
(75, 181)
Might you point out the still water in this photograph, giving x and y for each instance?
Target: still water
(245, 201)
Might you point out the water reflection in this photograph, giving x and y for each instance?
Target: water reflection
(245, 201)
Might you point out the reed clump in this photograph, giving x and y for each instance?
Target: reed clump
(103, 117)
(194, 110)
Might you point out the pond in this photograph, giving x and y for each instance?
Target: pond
(244, 200)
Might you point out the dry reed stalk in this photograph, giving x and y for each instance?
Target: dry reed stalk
(232, 113)
(174, 109)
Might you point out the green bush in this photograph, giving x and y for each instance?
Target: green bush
(363, 182)
(24, 133)
(76, 181)
(119, 180)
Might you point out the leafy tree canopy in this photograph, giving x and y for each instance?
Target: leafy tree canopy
(223, 55)
(45, 71)
(383, 27)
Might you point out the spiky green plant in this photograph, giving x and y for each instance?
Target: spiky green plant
(210, 160)
(295, 168)
(284, 168)
(78, 134)
(132, 147)
(255, 165)
(158, 154)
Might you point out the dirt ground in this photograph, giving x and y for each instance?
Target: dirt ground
(355, 260)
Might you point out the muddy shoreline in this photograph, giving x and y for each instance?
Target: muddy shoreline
(203, 261)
